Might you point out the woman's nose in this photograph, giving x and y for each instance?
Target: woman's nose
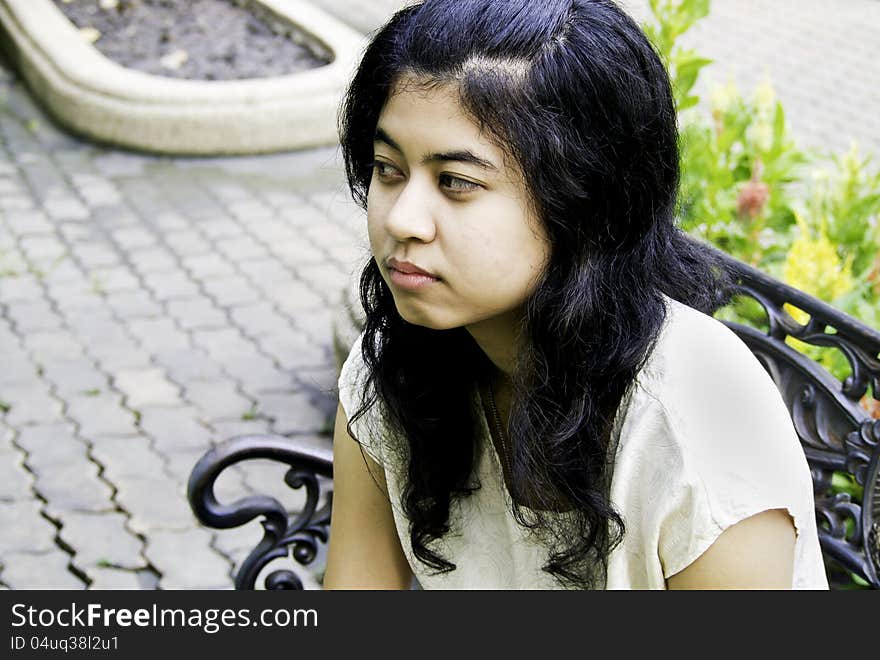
(410, 215)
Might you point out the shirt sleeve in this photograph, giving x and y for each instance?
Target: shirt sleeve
(734, 451)
(352, 392)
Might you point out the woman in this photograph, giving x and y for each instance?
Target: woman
(540, 397)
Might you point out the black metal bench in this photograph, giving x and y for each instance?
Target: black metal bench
(837, 434)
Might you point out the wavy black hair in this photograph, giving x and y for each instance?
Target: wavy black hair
(576, 94)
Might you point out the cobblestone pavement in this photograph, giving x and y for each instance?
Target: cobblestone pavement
(150, 306)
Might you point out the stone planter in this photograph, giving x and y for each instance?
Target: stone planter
(101, 100)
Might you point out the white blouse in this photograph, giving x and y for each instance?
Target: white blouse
(704, 441)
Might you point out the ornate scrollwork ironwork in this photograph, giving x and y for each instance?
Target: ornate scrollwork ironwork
(283, 534)
(837, 434)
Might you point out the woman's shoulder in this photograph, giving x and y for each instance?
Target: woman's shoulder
(713, 392)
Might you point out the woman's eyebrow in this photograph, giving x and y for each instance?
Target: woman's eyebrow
(458, 155)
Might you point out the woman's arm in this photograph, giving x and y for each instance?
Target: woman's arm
(364, 550)
(755, 553)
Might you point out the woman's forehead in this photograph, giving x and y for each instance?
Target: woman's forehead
(428, 117)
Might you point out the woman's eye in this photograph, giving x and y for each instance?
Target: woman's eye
(456, 185)
(384, 170)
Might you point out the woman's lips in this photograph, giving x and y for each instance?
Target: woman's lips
(411, 281)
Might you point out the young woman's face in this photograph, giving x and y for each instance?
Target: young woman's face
(446, 199)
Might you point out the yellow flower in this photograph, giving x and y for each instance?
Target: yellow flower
(761, 133)
(813, 266)
(765, 96)
(721, 97)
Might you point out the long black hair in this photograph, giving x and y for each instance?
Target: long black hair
(573, 90)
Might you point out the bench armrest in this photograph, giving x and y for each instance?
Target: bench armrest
(283, 533)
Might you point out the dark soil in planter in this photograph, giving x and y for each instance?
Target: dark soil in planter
(196, 39)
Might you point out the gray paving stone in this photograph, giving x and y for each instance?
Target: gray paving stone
(31, 404)
(291, 412)
(223, 342)
(273, 230)
(153, 260)
(133, 304)
(259, 319)
(241, 248)
(12, 264)
(48, 570)
(153, 504)
(126, 354)
(73, 487)
(95, 254)
(113, 164)
(16, 203)
(65, 208)
(265, 273)
(317, 324)
(24, 528)
(65, 273)
(7, 433)
(352, 256)
(101, 539)
(157, 335)
(51, 446)
(100, 195)
(114, 217)
(326, 279)
(42, 247)
(22, 288)
(132, 238)
(230, 291)
(197, 313)
(257, 373)
(79, 376)
(249, 210)
(175, 429)
(292, 350)
(218, 228)
(105, 579)
(217, 400)
(168, 285)
(35, 314)
(224, 429)
(182, 462)
(319, 209)
(53, 344)
(169, 221)
(205, 265)
(100, 415)
(187, 560)
(96, 327)
(127, 456)
(293, 297)
(26, 223)
(187, 243)
(190, 365)
(297, 253)
(18, 370)
(15, 480)
(146, 387)
(229, 191)
(111, 279)
(75, 231)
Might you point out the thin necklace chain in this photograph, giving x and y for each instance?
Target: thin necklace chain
(505, 450)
